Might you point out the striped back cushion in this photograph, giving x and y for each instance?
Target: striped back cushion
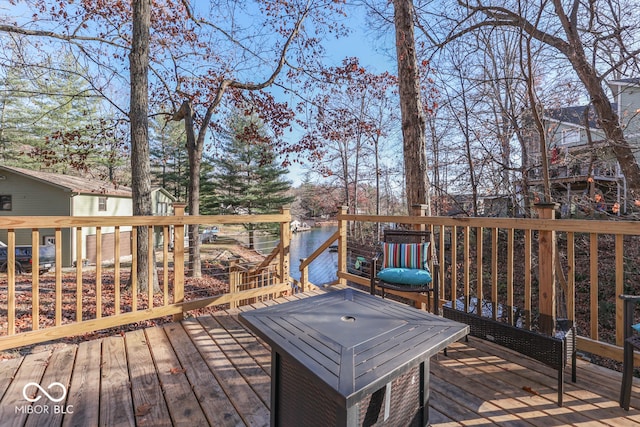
(405, 255)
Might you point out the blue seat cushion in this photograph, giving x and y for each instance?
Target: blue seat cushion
(636, 327)
(405, 276)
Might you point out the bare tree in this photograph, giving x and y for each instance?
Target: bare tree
(240, 77)
(137, 48)
(596, 38)
(411, 108)
(203, 61)
(350, 119)
(139, 119)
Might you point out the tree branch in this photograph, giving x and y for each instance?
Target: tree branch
(501, 17)
(229, 83)
(50, 34)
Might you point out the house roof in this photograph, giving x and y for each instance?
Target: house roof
(575, 115)
(165, 192)
(73, 184)
(626, 82)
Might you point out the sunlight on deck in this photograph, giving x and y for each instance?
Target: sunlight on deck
(211, 371)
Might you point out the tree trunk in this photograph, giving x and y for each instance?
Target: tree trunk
(140, 167)
(610, 123)
(608, 118)
(194, 151)
(413, 122)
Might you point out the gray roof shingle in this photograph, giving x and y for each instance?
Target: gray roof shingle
(74, 184)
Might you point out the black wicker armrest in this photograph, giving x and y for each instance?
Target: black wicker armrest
(631, 342)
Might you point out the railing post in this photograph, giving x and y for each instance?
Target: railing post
(419, 210)
(234, 280)
(342, 245)
(546, 269)
(304, 276)
(285, 244)
(178, 258)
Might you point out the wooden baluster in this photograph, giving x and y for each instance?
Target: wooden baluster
(178, 259)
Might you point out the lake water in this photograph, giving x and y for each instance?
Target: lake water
(323, 269)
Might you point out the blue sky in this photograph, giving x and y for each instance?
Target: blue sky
(369, 48)
(362, 43)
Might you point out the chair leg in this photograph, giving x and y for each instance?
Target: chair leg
(560, 385)
(627, 376)
(574, 359)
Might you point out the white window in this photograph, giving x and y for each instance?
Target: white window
(102, 204)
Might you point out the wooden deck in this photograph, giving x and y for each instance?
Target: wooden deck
(212, 371)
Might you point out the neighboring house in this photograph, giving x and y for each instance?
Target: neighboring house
(488, 205)
(26, 192)
(584, 174)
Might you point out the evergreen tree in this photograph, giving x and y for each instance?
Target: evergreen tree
(169, 162)
(11, 97)
(247, 177)
(50, 117)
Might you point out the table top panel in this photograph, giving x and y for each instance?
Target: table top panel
(353, 341)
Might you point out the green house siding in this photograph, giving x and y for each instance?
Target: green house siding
(162, 202)
(36, 193)
(30, 197)
(36, 197)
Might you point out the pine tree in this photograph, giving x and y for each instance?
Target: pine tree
(247, 177)
(169, 163)
(50, 117)
(10, 106)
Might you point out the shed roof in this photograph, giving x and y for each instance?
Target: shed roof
(73, 184)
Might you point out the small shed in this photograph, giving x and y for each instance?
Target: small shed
(25, 192)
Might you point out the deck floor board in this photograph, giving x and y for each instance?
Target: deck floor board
(183, 404)
(242, 361)
(212, 371)
(84, 389)
(116, 404)
(13, 405)
(148, 399)
(246, 401)
(58, 370)
(215, 404)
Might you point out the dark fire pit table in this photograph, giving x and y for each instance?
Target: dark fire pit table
(348, 358)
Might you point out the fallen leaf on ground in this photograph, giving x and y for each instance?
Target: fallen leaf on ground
(143, 409)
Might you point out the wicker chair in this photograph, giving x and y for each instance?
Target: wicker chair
(631, 342)
(407, 236)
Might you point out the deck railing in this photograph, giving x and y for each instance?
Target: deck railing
(105, 294)
(520, 269)
(523, 270)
